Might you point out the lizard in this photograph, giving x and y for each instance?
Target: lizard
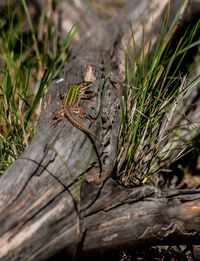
(71, 105)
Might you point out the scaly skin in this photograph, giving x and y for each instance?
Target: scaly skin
(71, 105)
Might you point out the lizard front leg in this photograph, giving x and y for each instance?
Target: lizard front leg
(87, 95)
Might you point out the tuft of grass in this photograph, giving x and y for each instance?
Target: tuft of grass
(27, 67)
(154, 88)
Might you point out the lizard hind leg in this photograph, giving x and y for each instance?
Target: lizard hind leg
(58, 116)
(81, 113)
(90, 118)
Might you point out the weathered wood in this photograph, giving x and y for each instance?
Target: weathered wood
(40, 214)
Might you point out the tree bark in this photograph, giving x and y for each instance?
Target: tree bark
(41, 215)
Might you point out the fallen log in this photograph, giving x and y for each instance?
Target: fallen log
(59, 197)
